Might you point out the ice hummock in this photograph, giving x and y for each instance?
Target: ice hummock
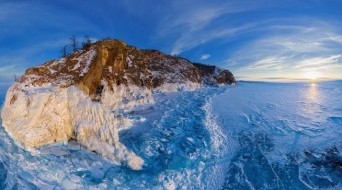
(172, 140)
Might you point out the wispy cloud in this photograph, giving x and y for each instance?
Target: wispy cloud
(318, 62)
(6, 68)
(19, 18)
(33, 32)
(205, 57)
(193, 22)
(16, 62)
(280, 46)
(188, 41)
(291, 50)
(8, 72)
(238, 32)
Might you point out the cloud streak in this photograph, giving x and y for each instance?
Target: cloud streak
(264, 39)
(288, 51)
(193, 23)
(15, 63)
(205, 57)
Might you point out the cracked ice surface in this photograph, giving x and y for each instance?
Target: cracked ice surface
(251, 136)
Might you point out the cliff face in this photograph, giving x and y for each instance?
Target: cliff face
(77, 96)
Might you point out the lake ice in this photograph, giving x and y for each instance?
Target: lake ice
(253, 135)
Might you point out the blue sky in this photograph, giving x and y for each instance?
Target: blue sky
(256, 40)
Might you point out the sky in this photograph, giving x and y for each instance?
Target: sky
(256, 40)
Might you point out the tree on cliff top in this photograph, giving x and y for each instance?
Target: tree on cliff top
(74, 43)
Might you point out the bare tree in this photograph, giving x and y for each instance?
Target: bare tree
(86, 43)
(107, 38)
(64, 51)
(16, 79)
(74, 43)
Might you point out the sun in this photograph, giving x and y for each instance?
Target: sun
(312, 75)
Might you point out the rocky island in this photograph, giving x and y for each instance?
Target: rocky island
(77, 96)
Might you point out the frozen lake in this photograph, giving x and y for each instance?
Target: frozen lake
(250, 136)
(282, 136)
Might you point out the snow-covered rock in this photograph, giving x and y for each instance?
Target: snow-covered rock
(77, 97)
